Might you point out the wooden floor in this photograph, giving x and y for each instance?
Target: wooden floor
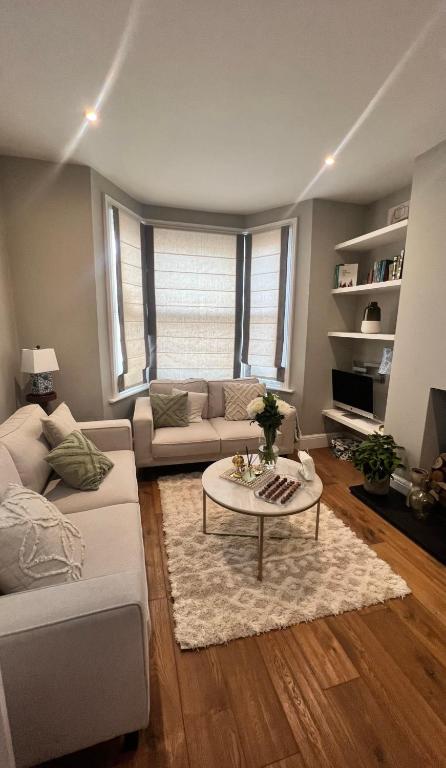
(364, 689)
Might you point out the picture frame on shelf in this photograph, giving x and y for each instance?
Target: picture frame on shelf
(348, 275)
(398, 213)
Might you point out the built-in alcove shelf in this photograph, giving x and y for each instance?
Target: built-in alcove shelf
(394, 233)
(354, 335)
(384, 287)
(357, 423)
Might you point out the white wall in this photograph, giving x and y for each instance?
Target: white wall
(420, 349)
(9, 346)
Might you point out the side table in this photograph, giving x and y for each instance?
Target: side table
(43, 400)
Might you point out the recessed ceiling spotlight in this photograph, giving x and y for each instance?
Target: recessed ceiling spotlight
(329, 160)
(91, 115)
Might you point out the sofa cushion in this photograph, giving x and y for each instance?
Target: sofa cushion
(237, 435)
(113, 539)
(58, 425)
(193, 440)
(165, 386)
(118, 487)
(237, 398)
(216, 400)
(196, 403)
(8, 470)
(39, 546)
(22, 434)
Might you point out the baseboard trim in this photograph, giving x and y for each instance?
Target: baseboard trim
(312, 441)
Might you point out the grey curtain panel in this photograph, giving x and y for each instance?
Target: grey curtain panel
(246, 298)
(148, 287)
(117, 238)
(283, 276)
(240, 259)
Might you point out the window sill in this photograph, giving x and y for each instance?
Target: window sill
(277, 388)
(128, 393)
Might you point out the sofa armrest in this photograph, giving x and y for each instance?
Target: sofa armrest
(288, 431)
(74, 661)
(143, 431)
(109, 435)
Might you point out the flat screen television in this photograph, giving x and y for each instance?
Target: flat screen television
(353, 392)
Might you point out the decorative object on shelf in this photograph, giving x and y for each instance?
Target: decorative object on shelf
(239, 464)
(377, 458)
(437, 479)
(268, 411)
(386, 362)
(40, 363)
(398, 212)
(419, 499)
(347, 275)
(371, 321)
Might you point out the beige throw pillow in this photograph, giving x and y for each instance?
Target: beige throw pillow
(58, 425)
(39, 546)
(196, 401)
(238, 396)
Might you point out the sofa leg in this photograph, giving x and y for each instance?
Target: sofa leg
(131, 740)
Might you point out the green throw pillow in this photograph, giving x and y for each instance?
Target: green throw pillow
(79, 463)
(169, 410)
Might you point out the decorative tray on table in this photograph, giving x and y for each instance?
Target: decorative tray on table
(278, 489)
(248, 480)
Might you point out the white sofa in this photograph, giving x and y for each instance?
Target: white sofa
(211, 439)
(74, 657)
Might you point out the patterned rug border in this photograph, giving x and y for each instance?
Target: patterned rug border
(190, 638)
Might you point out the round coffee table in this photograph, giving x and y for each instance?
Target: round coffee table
(241, 499)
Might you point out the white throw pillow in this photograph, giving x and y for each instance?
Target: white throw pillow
(238, 397)
(195, 404)
(39, 546)
(59, 425)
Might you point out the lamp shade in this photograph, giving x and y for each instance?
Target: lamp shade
(38, 361)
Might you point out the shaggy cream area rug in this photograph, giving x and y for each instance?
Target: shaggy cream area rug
(217, 596)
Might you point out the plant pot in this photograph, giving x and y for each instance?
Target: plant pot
(377, 487)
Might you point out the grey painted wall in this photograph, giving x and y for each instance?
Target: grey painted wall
(49, 238)
(420, 352)
(9, 347)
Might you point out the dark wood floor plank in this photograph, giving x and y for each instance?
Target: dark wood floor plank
(404, 705)
(294, 761)
(263, 727)
(376, 738)
(317, 731)
(423, 624)
(426, 673)
(324, 653)
(353, 513)
(202, 685)
(153, 552)
(213, 740)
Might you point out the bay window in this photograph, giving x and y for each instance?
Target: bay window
(196, 303)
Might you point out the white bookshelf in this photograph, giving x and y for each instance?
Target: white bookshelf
(385, 287)
(393, 233)
(355, 335)
(357, 423)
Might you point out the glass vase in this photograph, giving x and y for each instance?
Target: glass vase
(268, 450)
(419, 500)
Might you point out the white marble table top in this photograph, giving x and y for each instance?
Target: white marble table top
(242, 499)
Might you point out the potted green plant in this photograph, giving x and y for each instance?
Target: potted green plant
(377, 458)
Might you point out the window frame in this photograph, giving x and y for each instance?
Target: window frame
(110, 273)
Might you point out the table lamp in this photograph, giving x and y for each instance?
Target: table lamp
(40, 363)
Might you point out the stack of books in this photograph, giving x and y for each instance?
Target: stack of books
(387, 269)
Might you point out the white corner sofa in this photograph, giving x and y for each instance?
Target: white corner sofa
(208, 440)
(74, 656)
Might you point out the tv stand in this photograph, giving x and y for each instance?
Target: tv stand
(353, 421)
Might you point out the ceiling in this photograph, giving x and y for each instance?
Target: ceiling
(227, 105)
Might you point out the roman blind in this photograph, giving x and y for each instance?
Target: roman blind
(195, 303)
(132, 347)
(265, 299)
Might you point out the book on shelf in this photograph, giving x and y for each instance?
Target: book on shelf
(386, 269)
(397, 266)
(346, 275)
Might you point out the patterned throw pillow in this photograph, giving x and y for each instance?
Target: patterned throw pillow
(58, 425)
(169, 410)
(79, 463)
(238, 396)
(39, 546)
